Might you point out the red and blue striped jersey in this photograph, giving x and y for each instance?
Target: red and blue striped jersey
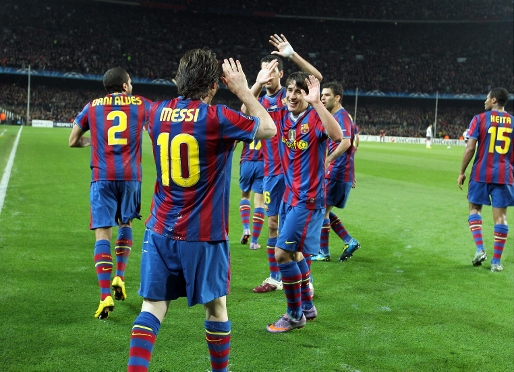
(116, 125)
(251, 151)
(493, 131)
(302, 148)
(269, 147)
(342, 168)
(193, 144)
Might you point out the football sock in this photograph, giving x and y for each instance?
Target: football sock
(500, 238)
(475, 225)
(338, 228)
(325, 233)
(274, 271)
(306, 291)
(258, 221)
(292, 282)
(103, 267)
(217, 335)
(122, 248)
(244, 212)
(142, 339)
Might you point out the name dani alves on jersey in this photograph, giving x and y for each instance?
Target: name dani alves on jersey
(118, 100)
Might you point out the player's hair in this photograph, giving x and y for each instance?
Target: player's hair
(501, 94)
(299, 80)
(197, 71)
(270, 58)
(114, 79)
(336, 87)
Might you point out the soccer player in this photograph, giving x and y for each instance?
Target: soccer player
(185, 247)
(116, 124)
(491, 179)
(429, 137)
(304, 125)
(251, 172)
(273, 182)
(339, 174)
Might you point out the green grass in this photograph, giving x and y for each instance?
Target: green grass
(409, 300)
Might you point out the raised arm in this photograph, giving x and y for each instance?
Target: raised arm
(329, 122)
(235, 80)
(286, 50)
(263, 77)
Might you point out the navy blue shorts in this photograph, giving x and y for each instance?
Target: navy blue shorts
(497, 195)
(172, 268)
(273, 190)
(250, 176)
(112, 201)
(300, 229)
(337, 192)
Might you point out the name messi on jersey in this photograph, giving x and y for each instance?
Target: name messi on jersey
(178, 115)
(118, 100)
(500, 119)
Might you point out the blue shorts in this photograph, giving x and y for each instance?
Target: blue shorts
(337, 192)
(250, 176)
(113, 202)
(172, 268)
(299, 229)
(497, 195)
(274, 188)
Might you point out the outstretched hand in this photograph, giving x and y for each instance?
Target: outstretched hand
(264, 75)
(233, 75)
(284, 47)
(314, 90)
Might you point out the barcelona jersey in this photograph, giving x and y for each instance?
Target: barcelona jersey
(116, 125)
(269, 147)
(342, 169)
(193, 144)
(302, 148)
(251, 151)
(493, 131)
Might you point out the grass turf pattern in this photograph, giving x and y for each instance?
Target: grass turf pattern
(409, 299)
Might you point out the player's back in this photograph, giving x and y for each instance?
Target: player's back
(116, 125)
(193, 145)
(493, 131)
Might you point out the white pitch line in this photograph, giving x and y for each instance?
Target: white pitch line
(7, 171)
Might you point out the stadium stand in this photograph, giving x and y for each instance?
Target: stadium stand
(383, 46)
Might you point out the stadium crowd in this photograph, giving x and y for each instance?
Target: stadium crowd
(444, 57)
(452, 58)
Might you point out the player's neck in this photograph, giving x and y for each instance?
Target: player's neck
(335, 109)
(270, 92)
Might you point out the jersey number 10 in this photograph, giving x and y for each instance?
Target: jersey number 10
(182, 157)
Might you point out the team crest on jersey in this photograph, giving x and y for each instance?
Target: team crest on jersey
(291, 135)
(304, 129)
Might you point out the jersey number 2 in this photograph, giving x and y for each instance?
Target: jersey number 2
(182, 157)
(121, 127)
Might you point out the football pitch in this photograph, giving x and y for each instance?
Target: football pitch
(409, 299)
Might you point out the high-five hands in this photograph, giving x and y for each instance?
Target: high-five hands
(284, 48)
(264, 75)
(233, 75)
(314, 91)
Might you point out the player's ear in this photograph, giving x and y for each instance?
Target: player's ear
(281, 74)
(124, 87)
